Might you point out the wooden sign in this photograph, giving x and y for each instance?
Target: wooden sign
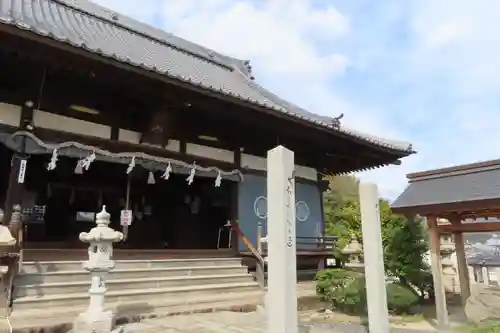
(126, 217)
(22, 171)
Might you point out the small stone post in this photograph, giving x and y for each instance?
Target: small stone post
(472, 275)
(378, 318)
(486, 275)
(100, 238)
(281, 242)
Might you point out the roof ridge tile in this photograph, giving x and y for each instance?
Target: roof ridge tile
(117, 19)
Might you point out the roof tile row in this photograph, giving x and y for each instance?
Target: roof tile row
(83, 24)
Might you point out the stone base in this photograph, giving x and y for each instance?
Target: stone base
(5, 325)
(102, 322)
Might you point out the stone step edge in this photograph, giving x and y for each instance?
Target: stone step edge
(132, 261)
(134, 270)
(132, 292)
(131, 306)
(239, 302)
(121, 281)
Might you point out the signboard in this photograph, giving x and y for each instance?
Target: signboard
(126, 217)
(22, 171)
(330, 262)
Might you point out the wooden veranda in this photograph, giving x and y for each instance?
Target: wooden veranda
(452, 200)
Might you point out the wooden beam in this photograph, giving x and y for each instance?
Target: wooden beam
(469, 227)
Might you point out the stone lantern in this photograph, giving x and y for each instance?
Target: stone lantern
(7, 243)
(354, 251)
(100, 238)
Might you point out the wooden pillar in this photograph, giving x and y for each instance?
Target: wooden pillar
(234, 193)
(16, 183)
(322, 187)
(13, 195)
(437, 272)
(463, 272)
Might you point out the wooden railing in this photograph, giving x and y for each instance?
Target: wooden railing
(255, 252)
(320, 243)
(320, 247)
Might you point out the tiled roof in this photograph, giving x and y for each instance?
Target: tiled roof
(86, 25)
(484, 259)
(474, 182)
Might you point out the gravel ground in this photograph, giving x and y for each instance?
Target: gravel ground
(234, 322)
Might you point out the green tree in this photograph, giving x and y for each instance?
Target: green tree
(404, 241)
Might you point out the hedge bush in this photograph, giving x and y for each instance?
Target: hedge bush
(401, 299)
(487, 328)
(328, 280)
(345, 290)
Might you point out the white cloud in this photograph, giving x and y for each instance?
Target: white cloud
(444, 34)
(277, 36)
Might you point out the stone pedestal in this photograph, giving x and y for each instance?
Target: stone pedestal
(7, 242)
(97, 319)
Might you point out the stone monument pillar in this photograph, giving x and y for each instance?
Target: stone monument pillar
(378, 318)
(100, 238)
(281, 242)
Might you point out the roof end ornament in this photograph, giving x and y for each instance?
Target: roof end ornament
(336, 120)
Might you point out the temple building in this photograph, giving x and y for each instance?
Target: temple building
(97, 108)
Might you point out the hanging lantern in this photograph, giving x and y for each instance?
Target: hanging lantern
(79, 168)
(151, 178)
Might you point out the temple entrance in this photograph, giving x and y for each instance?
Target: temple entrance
(167, 214)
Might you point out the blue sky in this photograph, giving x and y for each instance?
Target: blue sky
(423, 71)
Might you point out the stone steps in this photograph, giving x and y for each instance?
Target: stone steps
(58, 266)
(56, 317)
(47, 289)
(134, 287)
(128, 296)
(135, 273)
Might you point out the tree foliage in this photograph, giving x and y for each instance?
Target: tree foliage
(404, 240)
